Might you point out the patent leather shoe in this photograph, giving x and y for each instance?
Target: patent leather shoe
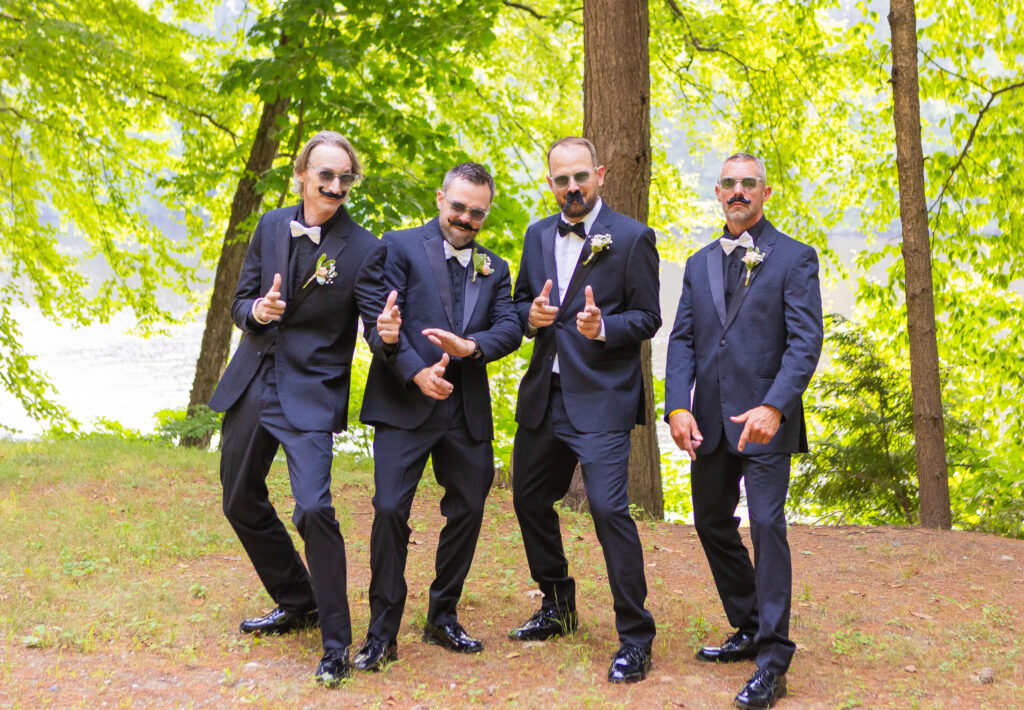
(546, 623)
(630, 664)
(453, 637)
(279, 621)
(763, 690)
(333, 668)
(375, 654)
(738, 647)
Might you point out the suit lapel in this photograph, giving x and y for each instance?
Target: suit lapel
(434, 248)
(472, 292)
(602, 225)
(764, 245)
(547, 248)
(282, 240)
(715, 278)
(332, 244)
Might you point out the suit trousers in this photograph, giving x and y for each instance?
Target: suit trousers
(544, 461)
(756, 597)
(464, 467)
(252, 431)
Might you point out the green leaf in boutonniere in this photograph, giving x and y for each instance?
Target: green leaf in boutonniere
(481, 264)
(324, 273)
(598, 243)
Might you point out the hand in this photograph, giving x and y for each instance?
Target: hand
(759, 425)
(450, 342)
(431, 380)
(271, 307)
(588, 321)
(541, 314)
(389, 322)
(685, 432)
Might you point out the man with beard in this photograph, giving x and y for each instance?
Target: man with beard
(310, 273)
(748, 333)
(587, 291)
(455, 301)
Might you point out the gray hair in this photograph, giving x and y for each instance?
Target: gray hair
(745, 157)
(324, 138)
(473, 173)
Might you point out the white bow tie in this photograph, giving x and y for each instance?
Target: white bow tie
(312, 232)
(729, 245)
(463, 255)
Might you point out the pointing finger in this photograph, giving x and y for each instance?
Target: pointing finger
(546, 291)
(590, 296)
(392, 298)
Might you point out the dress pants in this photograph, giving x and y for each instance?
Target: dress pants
(544, 461)
(756, 596)
(464, 467)
(252, 431)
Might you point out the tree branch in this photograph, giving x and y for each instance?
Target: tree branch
(525, 8)
(195, 112)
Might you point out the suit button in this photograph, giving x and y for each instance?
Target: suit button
(559, 325)
(722, 342)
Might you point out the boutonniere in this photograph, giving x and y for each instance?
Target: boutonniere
(481, 265)
(598, 243)
(324, 273)
(752, 259)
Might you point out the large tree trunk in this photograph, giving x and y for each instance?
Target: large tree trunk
(929, 429)
(213, 353)
(616, 118)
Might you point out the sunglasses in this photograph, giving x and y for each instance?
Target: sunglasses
(327, 177)
(563, 180)
(475, 213)
(747, 183)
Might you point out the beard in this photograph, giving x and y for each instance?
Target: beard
(575, 206)
(738, 208)
(455, 240)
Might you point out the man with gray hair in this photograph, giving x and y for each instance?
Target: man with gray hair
(745, 343)
(455, 301)
(309, 275)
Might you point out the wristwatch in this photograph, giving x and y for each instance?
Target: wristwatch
(477, 352)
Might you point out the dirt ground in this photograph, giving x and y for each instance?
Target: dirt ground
(882, 617)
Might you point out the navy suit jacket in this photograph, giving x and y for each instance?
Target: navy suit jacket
(417, 270)
(314, 340)
(602, 386)
(763, 350)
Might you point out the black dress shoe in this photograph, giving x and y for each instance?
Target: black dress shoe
(453, 637)
(630, 664)
(546, 623)
(738, 647)
(375, 654)
(763, 690)
(279, 621)
(333, 668)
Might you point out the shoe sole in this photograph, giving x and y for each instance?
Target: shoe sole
(427, 638)
(729, 659)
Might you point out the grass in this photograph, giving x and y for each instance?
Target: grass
(121, 582)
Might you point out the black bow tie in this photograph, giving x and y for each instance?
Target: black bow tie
(564, 228)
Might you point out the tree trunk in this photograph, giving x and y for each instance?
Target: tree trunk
(929, 428)
(213, 353)
(616, 118)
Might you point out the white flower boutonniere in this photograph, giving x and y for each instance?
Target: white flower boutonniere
(598, 243)
(324, 273)
(481, 265)
(752, 259)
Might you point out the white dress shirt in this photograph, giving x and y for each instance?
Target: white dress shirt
(567, 256)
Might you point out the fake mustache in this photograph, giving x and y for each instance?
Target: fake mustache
(739, 198)
(574, 196)
(462, 225)
(333, 195)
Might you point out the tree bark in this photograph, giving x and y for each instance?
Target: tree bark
(213, 353)
(926, 389)
(616, 118)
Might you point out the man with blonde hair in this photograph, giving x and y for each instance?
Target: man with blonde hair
(310, 274)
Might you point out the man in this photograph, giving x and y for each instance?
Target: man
(309, 275)
(455, 300)
(587, 291)
(748, 332)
